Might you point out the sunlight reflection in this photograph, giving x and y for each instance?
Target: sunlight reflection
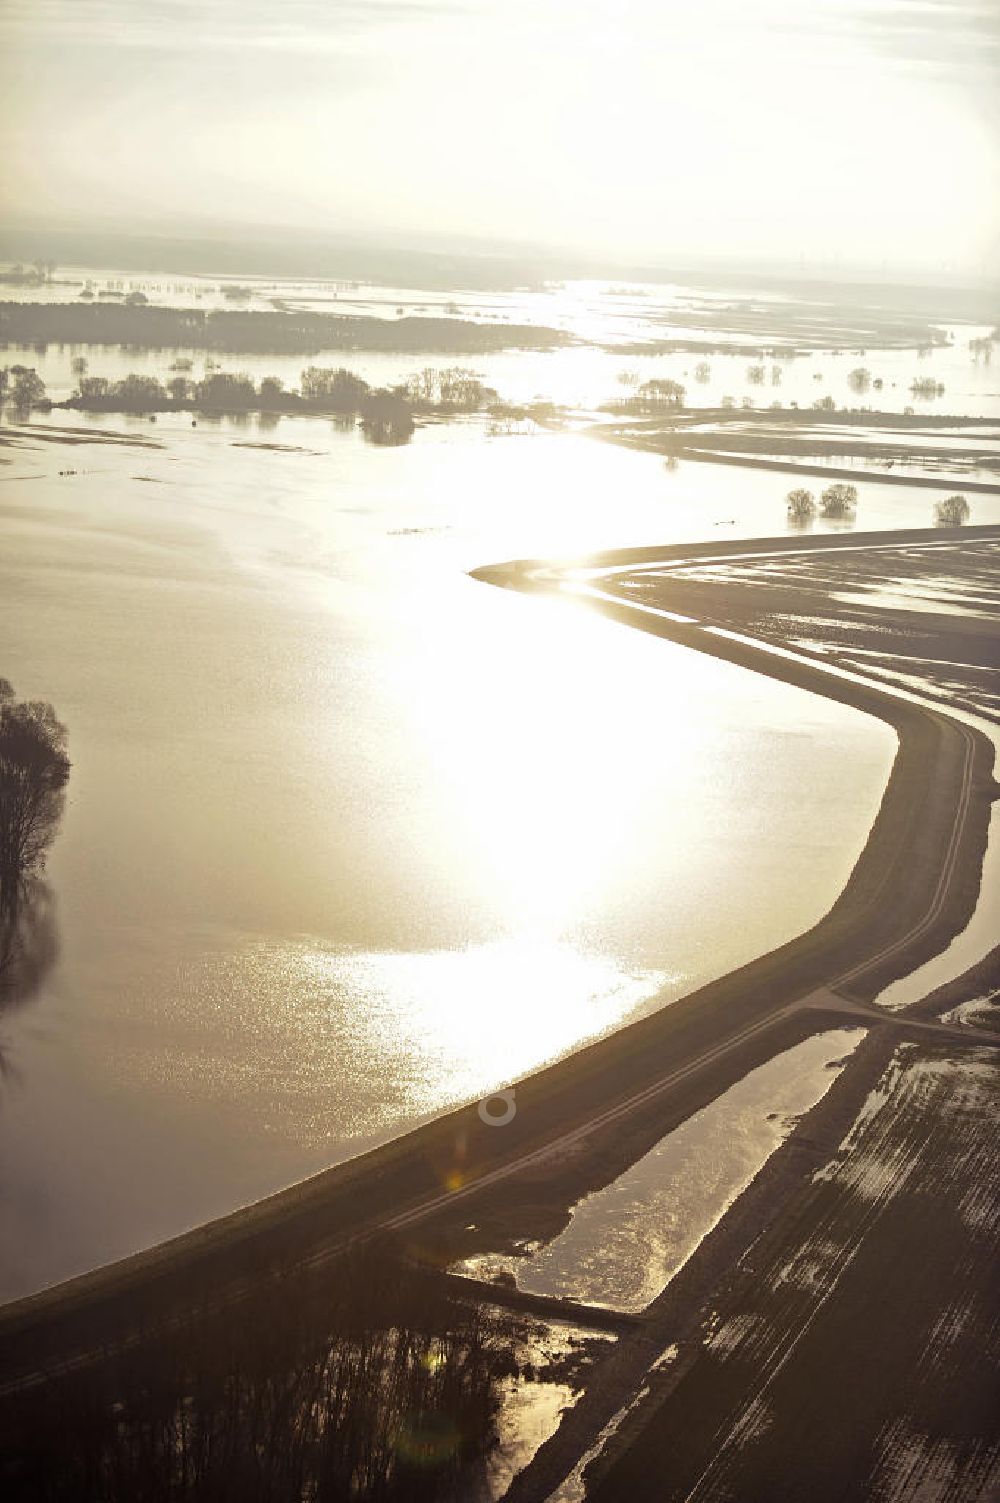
(466, 1020)
(546, 756)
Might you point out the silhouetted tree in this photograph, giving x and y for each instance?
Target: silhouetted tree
(78, 367)
(335, 390)
(94, 390)
(801, 503)
(953, 511)
(859, 380)
(272, 391)
(839, 500)
(661, 393)
(27, 390)
(386, 418)
(135, 393)
(927, 387)
(226, 392)
(462, 391)
(34, 770)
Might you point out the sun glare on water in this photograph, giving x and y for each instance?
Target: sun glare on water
(467, 1020)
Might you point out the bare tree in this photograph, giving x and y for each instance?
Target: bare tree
(801, 504)
(953, 511)
(839, 500)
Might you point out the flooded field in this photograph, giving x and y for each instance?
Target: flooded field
(726, 345)
(626, 1242)
(825, 1368)
(438, 811)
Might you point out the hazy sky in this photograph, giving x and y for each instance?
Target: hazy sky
(838, 130)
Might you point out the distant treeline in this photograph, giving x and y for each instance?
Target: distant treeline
(240, 332)
(386, 413)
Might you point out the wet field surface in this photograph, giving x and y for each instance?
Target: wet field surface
(924, 616)
(854, 1350)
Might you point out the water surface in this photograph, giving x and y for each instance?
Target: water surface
(350, 836)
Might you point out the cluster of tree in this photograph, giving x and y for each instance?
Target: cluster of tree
(386, 413)
(981, 348)
(953, 511)
(839, 500)
(655, 396)
(386, 418)
(23, 388)
(336, 390)
(926, 386)
(801, 504)
(368, 1384)
(141, 325)
(452, 389)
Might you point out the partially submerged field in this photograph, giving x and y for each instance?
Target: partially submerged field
(918, 448)
(854, 1350)
(919, 614)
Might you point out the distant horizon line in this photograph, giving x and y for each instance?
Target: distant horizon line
(261, 250)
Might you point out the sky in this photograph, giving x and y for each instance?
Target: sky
(827, 132)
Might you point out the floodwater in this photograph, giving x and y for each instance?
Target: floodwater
(607, 325)
(624, 1243)
(582, 376)
(351, 837)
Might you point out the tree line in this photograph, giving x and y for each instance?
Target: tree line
(841, 501)
(386, 413)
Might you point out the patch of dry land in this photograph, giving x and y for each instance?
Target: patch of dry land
(853, 1352)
